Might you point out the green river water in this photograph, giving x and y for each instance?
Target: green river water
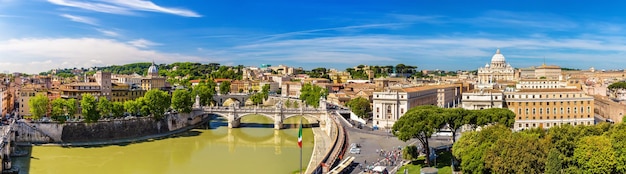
(254, 148)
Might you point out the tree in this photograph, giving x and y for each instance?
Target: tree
(117, 108)
(132, 106)
(410, 152)
(288, 103)
(205, 91)
(618, 140)
(257, 98)
(472, 146)
(360, 106)
(516, 154)
(70, 105)
(104, 106)
(88, 104)
(595, 154)
(38, 105)
(419, 122)
(311, 94)
(224, 87)
(157, 103)
(182, 101)
(265, 91)
(58, 107)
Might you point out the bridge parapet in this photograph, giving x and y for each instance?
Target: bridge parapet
(278, 113)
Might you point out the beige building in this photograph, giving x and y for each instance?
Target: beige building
(545, 108)
(498, 70)
(482, 99)
(153, 80)
(390, 105)
(4, 101)
(541, 84)
(548, 72)
(23, 96)
(291, 89)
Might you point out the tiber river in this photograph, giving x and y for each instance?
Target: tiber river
(254, 148)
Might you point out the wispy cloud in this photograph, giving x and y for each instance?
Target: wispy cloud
(124, 7)
(40, 54)
(108, 32)
(334, 29)
(80, 19)
(142, 43)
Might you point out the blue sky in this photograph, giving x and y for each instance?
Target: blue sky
(38, 35)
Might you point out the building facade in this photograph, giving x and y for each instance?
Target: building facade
(545, 108)
(390, 105)
(153, 80)
(496, 71)
(482, 99)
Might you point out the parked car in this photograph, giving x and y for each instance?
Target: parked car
(355, 150)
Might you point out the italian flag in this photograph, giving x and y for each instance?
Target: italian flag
(300, 136)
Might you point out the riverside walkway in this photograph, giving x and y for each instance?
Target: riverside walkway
(321, 146)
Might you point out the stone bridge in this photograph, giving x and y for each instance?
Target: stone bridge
(240, 97)
(234, 114)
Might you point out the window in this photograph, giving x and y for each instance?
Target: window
(561, 110)
(540, 110)
(567, 110)
(588, 109)
(519, 111)
(388, 109)
(377, 109)
(533, 111)
(526, 111)
(401, 110)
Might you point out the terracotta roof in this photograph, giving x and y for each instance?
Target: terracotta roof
(421, 88)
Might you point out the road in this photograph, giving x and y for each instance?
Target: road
(372, 142)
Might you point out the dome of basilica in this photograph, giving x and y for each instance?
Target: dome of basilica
(497, 57)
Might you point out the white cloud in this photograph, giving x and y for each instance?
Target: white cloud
(142, 43)
(36, 55)
(80, 19)
(124, 7)
(108, 32)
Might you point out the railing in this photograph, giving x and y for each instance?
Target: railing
(265, 110)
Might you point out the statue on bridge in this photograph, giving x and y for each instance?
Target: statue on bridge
(279, 104)
(197, 103)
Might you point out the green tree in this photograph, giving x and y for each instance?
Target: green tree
(517, 153)
(473, 145)
(410, 152)
(58, 107)
(117, 108)
(257, 98)
(182, 101)
(420, 123)
(288, 104)
(70, 105)
(205, 91)
(595, 154)
(311, 94)
(554, 163)
(38, 105)
(104, 106)
(157, 103)
(360, 106)
(224, 87)
(618, 140)
(132, 106)
(89, 108)
(265, 91)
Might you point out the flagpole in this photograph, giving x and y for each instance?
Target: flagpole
(300, 148)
